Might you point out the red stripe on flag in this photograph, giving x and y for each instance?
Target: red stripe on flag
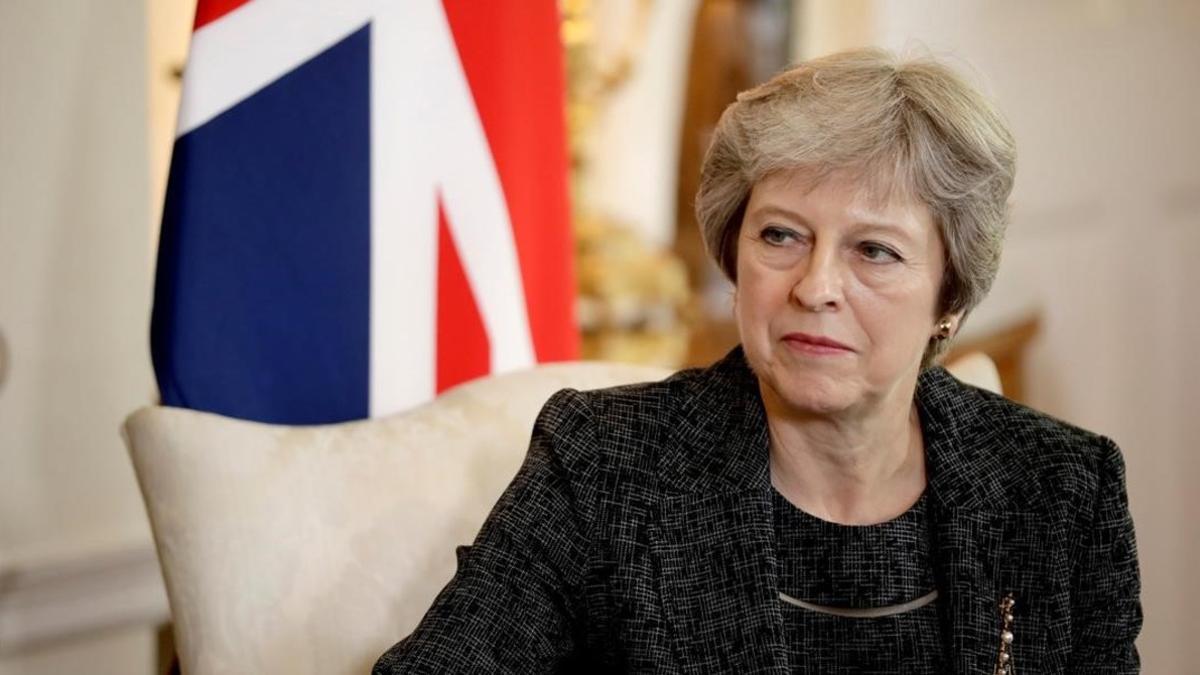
(463, 351)
(208, 11)
(513, 58)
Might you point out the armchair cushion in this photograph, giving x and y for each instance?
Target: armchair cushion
(312, 549)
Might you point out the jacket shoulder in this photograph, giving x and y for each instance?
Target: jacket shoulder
(627, 411)
(1060, 453)
(636, 403)
(618, 429)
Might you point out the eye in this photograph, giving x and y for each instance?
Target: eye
(777, 236)
(878, 253)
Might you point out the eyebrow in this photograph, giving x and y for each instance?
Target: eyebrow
(885, 227)
(771, 209)
(866, 225)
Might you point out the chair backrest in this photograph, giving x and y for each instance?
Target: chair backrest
(978, 369)
(312, 549)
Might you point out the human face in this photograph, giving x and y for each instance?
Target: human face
(837, 292)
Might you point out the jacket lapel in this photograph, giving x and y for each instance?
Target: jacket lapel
(990, 530)
(969, 596)
(978, 564)
(713, 536)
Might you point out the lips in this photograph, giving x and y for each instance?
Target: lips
(816, 343)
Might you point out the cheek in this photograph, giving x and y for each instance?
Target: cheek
(888, 280)
(897, 287)
(760, 293)
(898, 320)
(756, 305)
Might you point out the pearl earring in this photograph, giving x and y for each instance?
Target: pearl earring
(943, 330)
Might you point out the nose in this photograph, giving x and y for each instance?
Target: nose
(819, 288)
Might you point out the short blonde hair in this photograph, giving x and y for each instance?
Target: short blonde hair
(913, 125)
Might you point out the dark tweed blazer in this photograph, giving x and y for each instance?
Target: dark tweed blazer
(638, 537)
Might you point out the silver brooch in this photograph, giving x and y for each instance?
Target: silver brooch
(1004, 661)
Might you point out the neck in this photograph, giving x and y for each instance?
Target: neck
(856, 469)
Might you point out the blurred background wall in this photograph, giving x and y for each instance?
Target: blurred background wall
(74, 296)
(1101, 94)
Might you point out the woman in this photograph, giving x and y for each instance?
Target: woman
(824, 499)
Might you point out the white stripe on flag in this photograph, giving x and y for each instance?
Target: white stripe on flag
(427, 138)
(403, 212)
(479, 218)
(251, 47)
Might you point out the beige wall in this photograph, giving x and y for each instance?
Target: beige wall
(74, 298)
(74, 279)
(122, 651)
(1102, 96)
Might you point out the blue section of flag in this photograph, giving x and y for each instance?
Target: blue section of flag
(262, 295)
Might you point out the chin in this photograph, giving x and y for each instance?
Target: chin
(819, 395)
(808, 390)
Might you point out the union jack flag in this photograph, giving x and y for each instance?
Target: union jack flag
(367, 204)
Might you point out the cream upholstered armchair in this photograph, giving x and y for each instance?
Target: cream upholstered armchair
(313, 549)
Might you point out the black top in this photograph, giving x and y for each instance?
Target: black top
(857, 567)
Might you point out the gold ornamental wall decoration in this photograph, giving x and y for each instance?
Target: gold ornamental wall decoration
(632, 298)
